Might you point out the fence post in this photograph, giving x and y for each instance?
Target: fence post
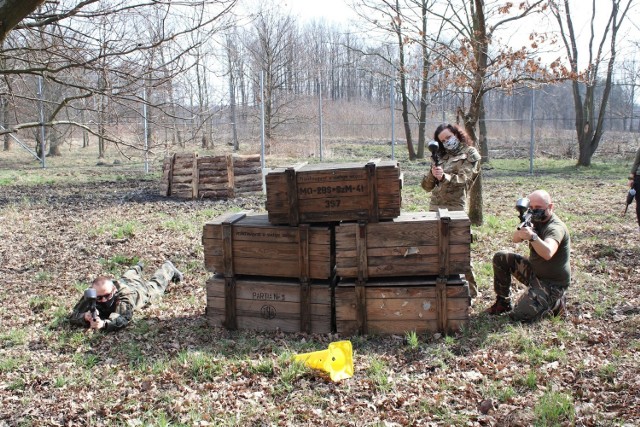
(393, 114)
(531, 143)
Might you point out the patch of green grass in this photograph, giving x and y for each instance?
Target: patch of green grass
(289, 372)
(7, 180)
(41, 303)
(114, 264)
(73, 339)
(530, 380)
(200, 366)
(18, 384)
(608, 372)
(43, 276)
(58, 318)
(377, 372)
(8, 364)
(536, 353)
(12, 338)
(119, 229)
(133, 353)
(179, 225)
(264, 367)
(500, 391)
(60, 382)
(411, 338)
(86, 360)
(554, 409)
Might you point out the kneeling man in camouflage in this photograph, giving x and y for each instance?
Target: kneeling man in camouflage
(546, 272)
(109, 305)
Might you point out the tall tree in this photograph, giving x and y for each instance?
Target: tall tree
(468, 60)
(589, 111)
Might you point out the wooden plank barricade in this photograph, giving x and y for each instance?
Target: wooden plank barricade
(334, 192)
(218, 177)
(242, 247)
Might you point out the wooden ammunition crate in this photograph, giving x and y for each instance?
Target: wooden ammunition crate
(190, 176)
(414, 244)
(399, 305)
(259, 303)
(334, 192)
(244, 243)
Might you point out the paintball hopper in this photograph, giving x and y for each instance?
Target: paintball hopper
(433, 146)
(90, 294)
(522, 205)
(630, 195)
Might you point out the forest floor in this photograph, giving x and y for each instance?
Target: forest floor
(61, 228)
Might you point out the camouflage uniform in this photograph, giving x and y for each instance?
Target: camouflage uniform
(460, 169)
(546, 281)
(635, 176)
(133, 293)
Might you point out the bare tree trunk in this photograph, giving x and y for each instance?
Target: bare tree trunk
(85, 133)
(482, 139)
(102, 126)
(4, 119)
(424, 89)
(55, 141)
(403, 84)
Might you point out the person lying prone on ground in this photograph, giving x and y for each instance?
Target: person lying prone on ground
(116, 301)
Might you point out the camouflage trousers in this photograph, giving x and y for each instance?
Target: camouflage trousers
(538, 301)
(147, 291)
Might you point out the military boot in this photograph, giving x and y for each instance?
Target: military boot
(177, 274)
(502, 305)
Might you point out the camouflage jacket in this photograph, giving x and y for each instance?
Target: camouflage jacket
(128, 298)
(460, 171)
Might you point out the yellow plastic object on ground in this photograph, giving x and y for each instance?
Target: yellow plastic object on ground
(336, 360)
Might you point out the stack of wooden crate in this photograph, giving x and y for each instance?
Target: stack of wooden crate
(268, 276)
(335, 254)
(403, 275)
(216, 177)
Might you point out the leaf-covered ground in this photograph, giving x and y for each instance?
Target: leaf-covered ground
(171, 368)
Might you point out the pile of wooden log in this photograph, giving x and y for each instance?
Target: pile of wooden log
(190, 176)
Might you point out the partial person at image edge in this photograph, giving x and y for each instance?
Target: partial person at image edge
(117, 300)
(546, 272)
(634, 182)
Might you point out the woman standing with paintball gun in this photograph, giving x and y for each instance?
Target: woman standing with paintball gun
(634, 183)
(455, 165)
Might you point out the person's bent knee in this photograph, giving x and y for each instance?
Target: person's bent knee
(500, 257)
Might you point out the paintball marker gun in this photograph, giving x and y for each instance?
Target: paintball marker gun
(524, 213)
(630, 195)
(91, 296)
(434, 147)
